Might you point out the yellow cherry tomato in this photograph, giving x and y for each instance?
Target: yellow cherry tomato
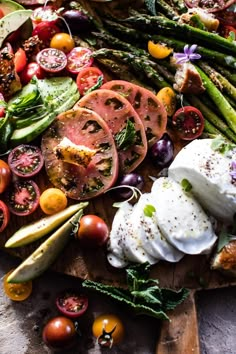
(168, 97)
(158, 51)
(17, 291)
(52, 200)
(63, 42)
(108, 329)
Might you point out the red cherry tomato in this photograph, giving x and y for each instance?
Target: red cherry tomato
(4, 215)
(71, 303)
(51, 60)
(225, 31)
(5, 176)
(44, 13)
(59, 333)
(45, 31)
(189, 122)
(31, 69)
(87, 78)
(93, 231)
(1, 14)
(78, 59)
(23, 197)
(25, 160)
(20, 60)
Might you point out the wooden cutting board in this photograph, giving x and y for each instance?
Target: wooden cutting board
(178, 336)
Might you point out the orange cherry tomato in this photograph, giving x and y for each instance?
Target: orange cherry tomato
(5, 175)
(17, 291)
(108, 329)
(63, 42)
(52, 200)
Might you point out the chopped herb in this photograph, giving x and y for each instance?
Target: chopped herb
(96, 86)
(186, 185)
(143, 294)
(126, 137)
(149, 210)
(221, 145)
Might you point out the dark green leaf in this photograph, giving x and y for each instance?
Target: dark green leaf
(136, 274)
(126, 137)
(25, 98)
(96, 86)
(151, 6)
(172, 298)
(149, 296)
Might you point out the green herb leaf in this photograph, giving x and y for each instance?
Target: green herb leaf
(126, 137)
(149, 210)
(221, 145)
(186, 185)
(96, 86)
(151, 295)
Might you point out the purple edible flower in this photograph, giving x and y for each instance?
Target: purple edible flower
(233, 170)
(187, 55)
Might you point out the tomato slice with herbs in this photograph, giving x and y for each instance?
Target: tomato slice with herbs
(189, 122)
(79, 58)
(25, 160)
(4, 216)
(17, 291)
(23, 197)
(81, 157)
(52, 60)
(71, 303)
(88, 78)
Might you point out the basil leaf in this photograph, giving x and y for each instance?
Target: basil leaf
(126, 137)
(96, 86)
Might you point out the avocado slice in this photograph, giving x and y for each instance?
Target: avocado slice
(8, 6)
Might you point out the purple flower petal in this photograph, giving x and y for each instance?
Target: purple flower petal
(192, 48)
(233, 170)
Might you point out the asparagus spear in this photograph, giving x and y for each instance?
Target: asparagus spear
(136, 63)
(219, 80)
(212, 119)
(225, 108)
(211, 130)
(167, 9)
(231, 76)
(162, 24)
(178, 45)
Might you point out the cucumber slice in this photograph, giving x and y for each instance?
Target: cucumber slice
(41, 259)
(37, 229)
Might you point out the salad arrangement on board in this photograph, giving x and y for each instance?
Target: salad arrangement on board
(90, 95)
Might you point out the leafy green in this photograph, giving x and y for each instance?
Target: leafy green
(151, 6)
(126, 137)
(96, 86)
(143, 295)
(186, 185)
(149, 210)
(221, 145)
(25, 98)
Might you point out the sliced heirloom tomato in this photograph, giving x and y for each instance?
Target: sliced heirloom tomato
(23, 197)
(25, 160)
(151, 111)
(71, 303)
(52, 60)
(124, 123)
(88, 78)
(80, 154)
(17, 291)
(189, 122)
(4, 216)
(79, 58)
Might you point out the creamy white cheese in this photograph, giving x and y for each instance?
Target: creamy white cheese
(152, 240)
(181, 218)
(208, 171)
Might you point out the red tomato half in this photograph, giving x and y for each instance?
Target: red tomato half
(189, 122)
(31, 69)
(52, 60)
(23, 197)
(4, 216)
(20, 60)
(79, 58)
(45, 31)
(71, 303)
(88, 78)
(44, 13)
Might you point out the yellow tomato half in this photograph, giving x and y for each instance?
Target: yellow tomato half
(17, 291)
(158, 51)
(168, 97)
(52, 200)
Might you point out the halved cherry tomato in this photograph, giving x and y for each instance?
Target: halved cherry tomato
(25, 160)
(93, 231)
(45, 31)
(189, 122)
(4, 216)
(31, 69)
(17, 291)
(158, 51)
(20, 60)
(225, 31)
(52, 200)
(71, 303)
(51, 60)
(44, 13)
(5, 176)
(2, 107)
(88, 78)
(78, 59)
(23, 197)
(62, 41)
(108, 329)
(59, 333)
